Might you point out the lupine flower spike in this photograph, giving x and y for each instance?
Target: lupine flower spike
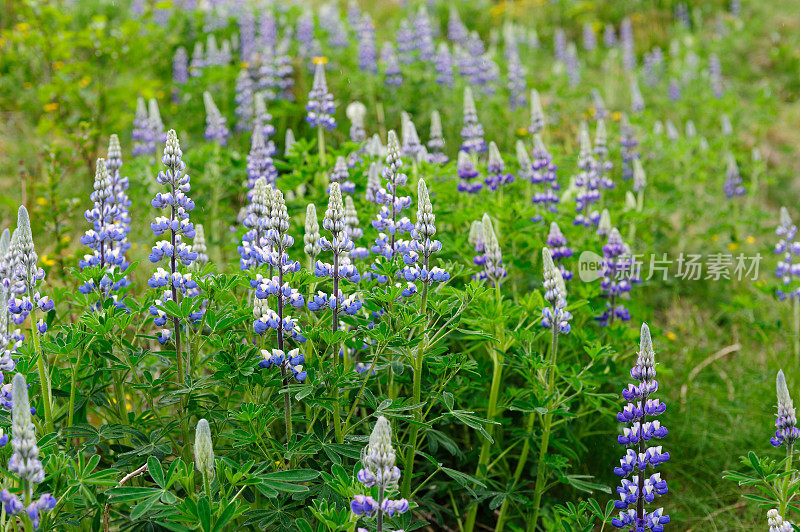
(776, 522)
(788, 248)
(435, 144)
(467, 173)
(559, 249)
(637, 488)
(216, 130)
(24, 461)
(544, 176)
(379, 471)
(472, 130)
(493, 258)
(555, 316)
(496, 169)
(177, 226)
(618, 270)
(423, 246)
(786, 422)
(537, 113)
(388, 222)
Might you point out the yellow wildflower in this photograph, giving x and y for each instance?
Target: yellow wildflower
(321, 60)
(751, 240)
(733, 246)
(84, 81)
(671, 335)
(58, 65)
(50, 107)
(715, 238)
(40, 201)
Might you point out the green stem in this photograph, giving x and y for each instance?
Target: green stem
(337, 416)
(43, 376)
(796, 327)
(523, 458)
(417, 394)
(546, 426)
(72, 390)
(321, 146)
(483, 460)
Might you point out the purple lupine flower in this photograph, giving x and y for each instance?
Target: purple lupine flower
(476, 239)
(353, 228)
(786, 422)
(600, 150)
(106, 233)
(572, 65)
(304, 33)
(544, 175)
(674, 90)
(516, 79)
(255, 247)
(356, 112)
(244, 101)
(640, 489)
(341, 175)
(367, 49)
(330, 20)
(435, 143)
(600, 110)
(275, 252)
(262, 121)
(24, 461)
(715, 75)
(178, 226)
(467, 173)
(180, 66)
(493, 269)
(590, 182)
(247, 34)
(423, 245)
(787, 247)
(496, 174)
(157, 133)
(443, 63)
(340, 245)
(388, 221)
(626, 39)
(373, 182)
(628, 147)
(537, 114)
(320, 106)
(774, 519)
(267, 31)
(353, 13)
(263, 73)
(259, 162)
(411, 146)
(392, 75)
(378, 459)
(284, 72)
(10, 339)
(141, 134)
(589, 37)
(637, 102)
(472, 130)
(557, 244)
(653, 64)
(423, 35)
(682, 14)
(405, 42)
(618, 270)
(733, 180)
(25, 273)
(198, 60)
(560, 45)
(216, 128)
(609, 36)
(556, 316)
(456, 30)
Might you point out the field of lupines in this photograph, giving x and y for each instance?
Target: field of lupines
(399, 266)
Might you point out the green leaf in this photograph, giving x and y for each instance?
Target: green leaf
(143, 507)
(155, 470)
(126, 494)
(204, 514)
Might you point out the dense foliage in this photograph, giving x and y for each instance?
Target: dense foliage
(291, 266)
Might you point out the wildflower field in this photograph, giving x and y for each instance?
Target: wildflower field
(437, 265)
